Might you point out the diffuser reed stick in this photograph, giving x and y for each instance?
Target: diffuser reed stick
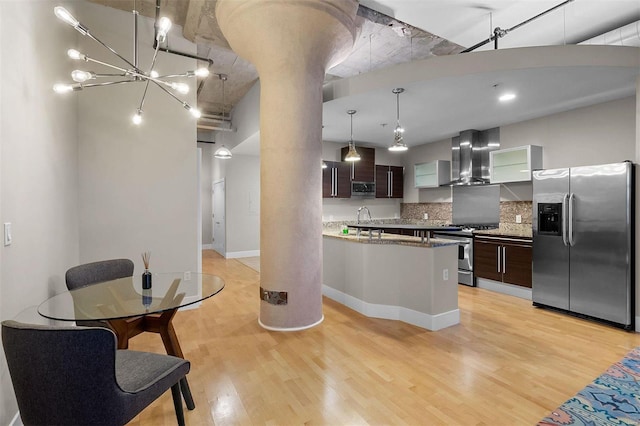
(146, 256)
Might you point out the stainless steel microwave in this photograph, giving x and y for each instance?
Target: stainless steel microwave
(363, 189)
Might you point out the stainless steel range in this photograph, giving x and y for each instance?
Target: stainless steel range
(464, 238)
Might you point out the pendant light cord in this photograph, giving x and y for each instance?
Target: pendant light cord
(351, 117)
(398, 109)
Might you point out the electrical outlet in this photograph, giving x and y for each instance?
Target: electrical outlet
(518, 218)
(426, 216)
(187, 275)
(8, 238)
(445, 274)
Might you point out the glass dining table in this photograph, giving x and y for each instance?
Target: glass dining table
(129, 310)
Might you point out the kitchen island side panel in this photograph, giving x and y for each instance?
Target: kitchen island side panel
(393, 281)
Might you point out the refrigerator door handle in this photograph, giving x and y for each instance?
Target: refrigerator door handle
(571, 198)
(565, 201)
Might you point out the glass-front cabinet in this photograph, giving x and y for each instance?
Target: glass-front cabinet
(514, 164)
(432, 174)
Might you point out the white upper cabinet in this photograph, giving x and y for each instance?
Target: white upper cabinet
(432, 174)
(514, 164)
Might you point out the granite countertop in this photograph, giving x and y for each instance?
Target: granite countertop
(506, 231)
(403, 240)
(417, 227)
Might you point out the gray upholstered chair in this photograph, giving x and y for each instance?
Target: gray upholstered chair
(96, 272)
(75, 375)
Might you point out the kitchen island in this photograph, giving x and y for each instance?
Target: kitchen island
(393, 277)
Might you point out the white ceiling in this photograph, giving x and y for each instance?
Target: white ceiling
(435, 108)
(467, 22)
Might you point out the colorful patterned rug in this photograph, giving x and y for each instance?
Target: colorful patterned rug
(611, 399)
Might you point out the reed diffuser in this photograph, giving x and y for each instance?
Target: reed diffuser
(146, 275)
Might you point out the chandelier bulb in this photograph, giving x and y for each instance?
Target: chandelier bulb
(164, 25)
(82, 76)
(193, 111)
(64, 15)
(154, 74)
(137, 118)
(74, 54)
(202, 72)
(180, 87)
(62, 88)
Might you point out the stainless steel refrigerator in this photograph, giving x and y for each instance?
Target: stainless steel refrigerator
(583, 234)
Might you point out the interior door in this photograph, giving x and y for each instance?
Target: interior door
(219, 223)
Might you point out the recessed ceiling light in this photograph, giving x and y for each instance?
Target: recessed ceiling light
(507, 97)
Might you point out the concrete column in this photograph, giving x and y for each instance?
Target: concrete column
(291, 43)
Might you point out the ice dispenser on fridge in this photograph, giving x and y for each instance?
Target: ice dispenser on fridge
(550, 218)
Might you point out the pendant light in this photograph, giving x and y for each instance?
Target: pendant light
(352, 155)
(398, 142)
(223, 152)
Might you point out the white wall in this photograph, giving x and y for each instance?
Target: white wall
(39, 164)
(598, 134)
(243, 206)
(440, 150)
(138, 184)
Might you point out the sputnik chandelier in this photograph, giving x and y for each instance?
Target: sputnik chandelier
(130, 74)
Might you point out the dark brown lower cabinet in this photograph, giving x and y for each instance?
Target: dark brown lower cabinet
(503, 259)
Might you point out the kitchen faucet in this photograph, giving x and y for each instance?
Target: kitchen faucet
(359, 210)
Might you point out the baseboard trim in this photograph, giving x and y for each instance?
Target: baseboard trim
(509, 289)
(398, 313)
(237, 254)
(305, 327)
(207, 247)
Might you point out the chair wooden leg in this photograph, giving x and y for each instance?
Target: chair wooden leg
(177, 402)
(186, 393)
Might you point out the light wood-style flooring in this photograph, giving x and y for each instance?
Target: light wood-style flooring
(506, 363)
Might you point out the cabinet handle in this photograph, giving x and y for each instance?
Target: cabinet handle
(389, 184)
(334, 182)
(504, 259)
(498, 248)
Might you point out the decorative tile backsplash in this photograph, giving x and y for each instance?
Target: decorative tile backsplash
(442, 212)
(437, 212)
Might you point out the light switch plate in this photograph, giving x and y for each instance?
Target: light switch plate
(8, 239)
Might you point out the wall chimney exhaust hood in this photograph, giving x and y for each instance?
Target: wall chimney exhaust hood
(470, 156)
